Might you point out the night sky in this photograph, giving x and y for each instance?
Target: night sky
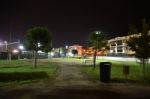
(70, 21)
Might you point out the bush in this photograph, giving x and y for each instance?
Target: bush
(21, 76)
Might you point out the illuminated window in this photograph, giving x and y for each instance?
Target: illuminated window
(119, 49)
(119, 42)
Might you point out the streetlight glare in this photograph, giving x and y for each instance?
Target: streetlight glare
(15, 51)
(21, 47)
(5, 42)
(66, 46)
(98, 32)
(39, 44)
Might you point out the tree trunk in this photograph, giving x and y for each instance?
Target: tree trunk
(94, 59)
(9, 56)
(35, 59)
(19, 55)
(147, 60)
(143, 70)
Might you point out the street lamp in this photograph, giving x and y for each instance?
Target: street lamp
(15, 51)
(66, 50)
(98, 32)
(6, 45)
(8, 49)
(39, 44)
(21, 47)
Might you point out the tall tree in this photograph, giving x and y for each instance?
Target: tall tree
(38, 38)
(97, 39)
(141, 44)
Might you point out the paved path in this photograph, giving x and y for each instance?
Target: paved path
(69, 74)
(72, 84)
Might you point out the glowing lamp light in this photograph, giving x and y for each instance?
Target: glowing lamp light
(98, 32)
(70, 54)
(111, 51)
(66, 46)
(52, 53)
(39, 44)
(40, 51)
(15, 51)
(21, 47)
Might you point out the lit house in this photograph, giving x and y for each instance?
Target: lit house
(75, 47)
(84, 50)
(118, 45)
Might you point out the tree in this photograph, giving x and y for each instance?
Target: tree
(74, 52)
(38, 38)
(97, 40)
(140, 44)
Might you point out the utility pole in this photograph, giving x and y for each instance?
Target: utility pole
(8, 47)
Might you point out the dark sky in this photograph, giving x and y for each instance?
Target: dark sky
(70, 21)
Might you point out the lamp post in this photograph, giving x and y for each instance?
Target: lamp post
(8, 50)
(8, 53)
(21, 47)
(66, 50)
(5, 45)
(96, 48)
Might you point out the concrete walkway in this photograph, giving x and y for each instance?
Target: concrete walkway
(69, 74)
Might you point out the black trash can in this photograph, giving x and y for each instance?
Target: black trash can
(105, 70)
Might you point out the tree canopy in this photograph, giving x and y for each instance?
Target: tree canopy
(38, 38)
(141, 43)
(97, 39)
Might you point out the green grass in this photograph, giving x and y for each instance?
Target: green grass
(75, 59)
(22, 70)
(135, 75)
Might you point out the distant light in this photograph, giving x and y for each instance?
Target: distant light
(61, 52)
(98, 32)
(111, 51)
(66, 46)
(15, 51)
(21, 47)
(39, 44)
(70, 54)
(40, 51)
(52, 53)
(5, 42)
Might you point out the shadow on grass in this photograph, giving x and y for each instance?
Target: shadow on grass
(119, 80)
(21, 76)
(10, 67)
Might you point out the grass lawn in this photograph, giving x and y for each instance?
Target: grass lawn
(135, 75)
(78, 60)
(22, 70)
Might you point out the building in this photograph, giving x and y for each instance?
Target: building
(77, 47)
(6, 46)
(118, 45)
(84, 50)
